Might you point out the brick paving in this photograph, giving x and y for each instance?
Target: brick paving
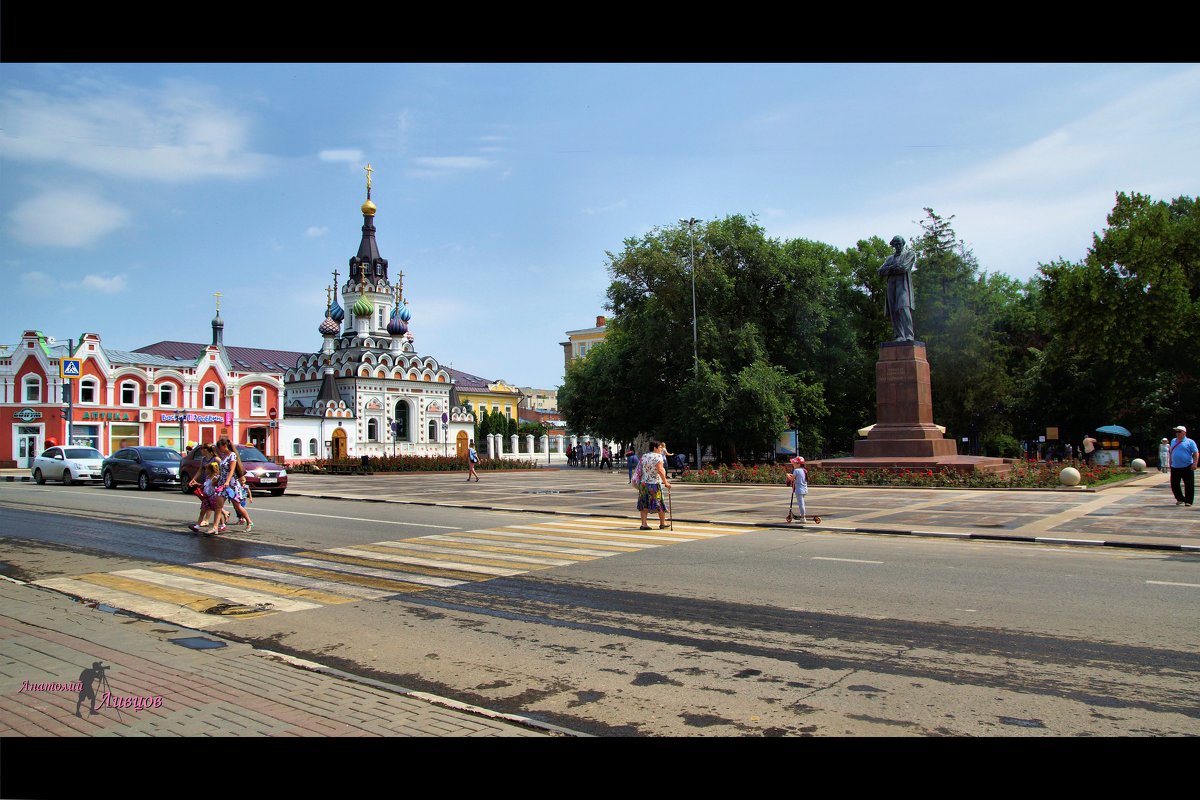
(234, 690)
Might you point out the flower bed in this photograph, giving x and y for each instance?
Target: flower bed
(1024, 475)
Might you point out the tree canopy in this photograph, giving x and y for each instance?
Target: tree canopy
(787, 336)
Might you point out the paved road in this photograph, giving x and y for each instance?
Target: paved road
(587, 622)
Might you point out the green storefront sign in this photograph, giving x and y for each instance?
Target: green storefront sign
(117, 416)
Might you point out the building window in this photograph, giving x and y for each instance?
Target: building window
(32, 385)
(258, 401)
(372, 430)
(508, 411)
(433, 437)
(210, 396)
(166, 395)
(401, 421)
(87, 390)
(381, 323)
(312, 447)
(129, 393)
(296, 447)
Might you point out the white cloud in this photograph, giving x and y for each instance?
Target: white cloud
(100, 283)
(314, 230)
(1043, 200)
(610, 207)
(60, 218)
(352, 157)
(453, 162)
(173, 133)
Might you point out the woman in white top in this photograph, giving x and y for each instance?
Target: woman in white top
(650, 490)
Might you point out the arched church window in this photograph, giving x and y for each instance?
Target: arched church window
(401, 417)
(312, 447)
(433, 437)
(295, 447)
(372, 430)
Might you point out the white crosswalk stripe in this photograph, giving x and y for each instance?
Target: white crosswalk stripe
(211, 593)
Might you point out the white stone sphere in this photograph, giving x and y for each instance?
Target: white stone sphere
(1069, 477)
(1138, 465)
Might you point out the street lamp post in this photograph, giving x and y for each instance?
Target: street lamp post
(691, 223)
(182, 443)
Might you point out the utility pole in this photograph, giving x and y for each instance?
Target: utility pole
(691, 224)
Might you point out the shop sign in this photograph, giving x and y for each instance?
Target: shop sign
(115, 416)
(27, 415)
(197, 418)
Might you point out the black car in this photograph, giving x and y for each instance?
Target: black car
(146, 466)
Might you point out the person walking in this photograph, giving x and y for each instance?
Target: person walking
(650, 491)
(1185, 456)
(472, 457)
(799, 485)
(1164, 456)
(226, 458)
(631, 462)
(1089, 449)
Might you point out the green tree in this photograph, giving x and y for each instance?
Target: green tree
(1121, 323)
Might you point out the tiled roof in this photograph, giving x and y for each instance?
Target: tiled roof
(465, 380)
(251, 359)
(144, 359)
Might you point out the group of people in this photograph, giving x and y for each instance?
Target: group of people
(220, 482)
(589, 454)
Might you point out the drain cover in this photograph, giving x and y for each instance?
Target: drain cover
(197, 642)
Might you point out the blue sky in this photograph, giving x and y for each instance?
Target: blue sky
(130, 193)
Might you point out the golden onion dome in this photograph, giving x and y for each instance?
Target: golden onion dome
(368, 209)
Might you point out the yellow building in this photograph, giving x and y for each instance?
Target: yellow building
(581, 341)
(485, 395)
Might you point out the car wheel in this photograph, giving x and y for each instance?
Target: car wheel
(183, 483)
(277, 492)
(38, 477)
(109, 481)
(68, 478)
(144, 482)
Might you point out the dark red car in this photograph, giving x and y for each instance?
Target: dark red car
(262, 474)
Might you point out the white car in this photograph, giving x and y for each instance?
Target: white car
(68, 464)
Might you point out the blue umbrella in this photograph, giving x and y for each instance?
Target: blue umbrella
(1117, 430)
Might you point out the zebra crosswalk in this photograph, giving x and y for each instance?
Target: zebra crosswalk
(209, 594)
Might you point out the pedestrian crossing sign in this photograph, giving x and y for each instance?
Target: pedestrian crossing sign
(70, 367)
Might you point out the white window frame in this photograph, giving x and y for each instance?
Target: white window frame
(216, 390)
(312, 447)
(296, 447)
(33, 382)
(163, 389)
(94, 385)
(372, 430)
(258, 402)
(128, 384)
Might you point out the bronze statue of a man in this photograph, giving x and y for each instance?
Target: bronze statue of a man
(898, 269)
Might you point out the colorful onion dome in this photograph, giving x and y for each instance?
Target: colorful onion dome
(328, 327)
(396, 325)
(336, 312)
(363, 307)
(405, 314)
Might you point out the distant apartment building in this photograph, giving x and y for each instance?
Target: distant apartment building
(581, 341)
(538, 399)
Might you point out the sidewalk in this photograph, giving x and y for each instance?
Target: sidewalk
(1139, 513)
(232, 689)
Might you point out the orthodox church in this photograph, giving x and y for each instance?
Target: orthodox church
(367, 391)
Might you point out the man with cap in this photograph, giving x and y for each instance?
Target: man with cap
(1185, 456)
